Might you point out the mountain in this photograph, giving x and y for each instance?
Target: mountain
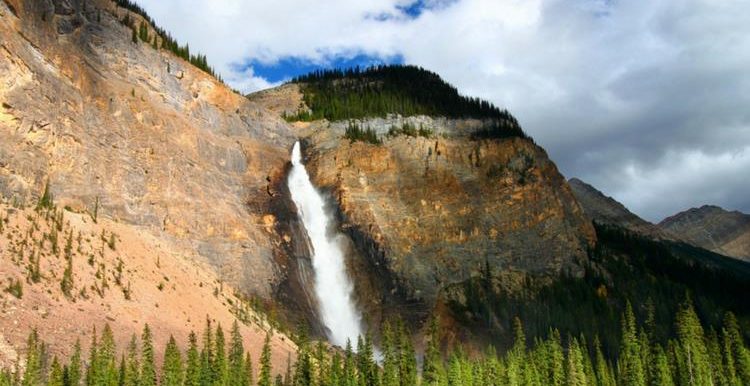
(136, 188)
(606, 210)
(136, 145)
(712, 228)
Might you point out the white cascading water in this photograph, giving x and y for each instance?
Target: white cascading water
(332, 285)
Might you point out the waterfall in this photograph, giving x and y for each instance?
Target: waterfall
(332, 286)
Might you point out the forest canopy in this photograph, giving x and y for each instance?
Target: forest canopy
(355, 93)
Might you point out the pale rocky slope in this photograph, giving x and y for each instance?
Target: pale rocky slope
(176, 164)
(121, 275)
(161, 144)
(712, 228)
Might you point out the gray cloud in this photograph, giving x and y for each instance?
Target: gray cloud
(647, 100)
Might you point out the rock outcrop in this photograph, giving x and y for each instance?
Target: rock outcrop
(428, 212)
(148, 138)
(712, 228)
(606, 210)
(176, 164)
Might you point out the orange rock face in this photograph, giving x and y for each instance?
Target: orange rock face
(431, 212)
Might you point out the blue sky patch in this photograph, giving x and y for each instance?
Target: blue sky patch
(413, 10)
(289, 67)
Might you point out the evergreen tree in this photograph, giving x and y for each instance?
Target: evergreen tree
(407, 359)
(237, 374)
(172, 372)
(33, 375)
(148, 368)
(56, 374)
(264, 378)
(630, 365)
(693, 357)
(220, 358)
(366, 366)
(432, 366)
(131, 370)
(349, 370)
(735, 349)
(248, 371)
(193, 362)
(390, 357)
(576, 374)
(661, 374)
(602, 369)
(74, 368)
(207, 356)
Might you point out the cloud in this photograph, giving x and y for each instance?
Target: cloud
(626, 95)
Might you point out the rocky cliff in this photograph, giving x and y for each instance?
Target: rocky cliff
(712, 228)
(608, 211)
(426, 212)
(132, 135)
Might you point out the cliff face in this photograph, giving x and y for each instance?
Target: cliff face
(156, 142)
(425, 213)
(606, 210)
(175, 166)
(712, 228)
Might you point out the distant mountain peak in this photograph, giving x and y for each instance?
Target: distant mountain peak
(713, 228)
(606, 210)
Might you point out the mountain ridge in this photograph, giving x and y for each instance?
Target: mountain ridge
(713, 228)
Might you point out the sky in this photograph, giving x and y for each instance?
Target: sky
(647, 100)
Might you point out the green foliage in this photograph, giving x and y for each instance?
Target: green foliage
(46, 201)
(237, 373)
(622, 266)
(148, 367)
(264, 378)
(66, 283)
(392, 89)
(172, 370)
(355, 133)
(15, 288)
(410, 130)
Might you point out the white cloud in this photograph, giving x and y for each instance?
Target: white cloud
(600, 83)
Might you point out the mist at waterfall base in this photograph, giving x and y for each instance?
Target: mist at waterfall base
(332, 285)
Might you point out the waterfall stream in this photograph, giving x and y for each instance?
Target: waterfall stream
(332, 285)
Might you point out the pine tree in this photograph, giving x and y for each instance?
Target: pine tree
(735, 349)
(661, 374)
(74, 368)
(602, 368)
(33, 374)
(148, 368)
(172, 372)
(264, 378)
(237, 374)
(555, 374)
(366, 366)
(207, 356)
(303, 375)
(56, 374)
(432, 366)
(694, 365)
(131, 371)
(390, 357)
(193, 362)
(407, 358)
(248, 371)
(576, 375)
(219, 367)
(66, 283)
(630, 365)
(349, 369)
